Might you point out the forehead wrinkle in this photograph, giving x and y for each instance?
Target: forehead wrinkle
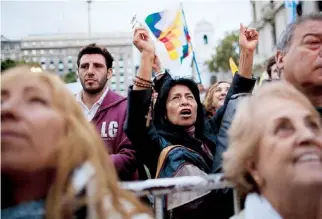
(39, 85)
(31, 88)
(92, 61)
(274, 110)
(27, 83)
(308, 27)
(286, 116)
(178, 93)
(92, 58)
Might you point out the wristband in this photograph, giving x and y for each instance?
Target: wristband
(161, 72)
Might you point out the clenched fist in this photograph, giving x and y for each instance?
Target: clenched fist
(248, 38)
(142, 40)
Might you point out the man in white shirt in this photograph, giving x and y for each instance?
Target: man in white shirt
(90, 113)
(105, 108)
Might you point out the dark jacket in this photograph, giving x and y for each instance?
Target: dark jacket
(109, 121)
(151, 140)
(222, 136)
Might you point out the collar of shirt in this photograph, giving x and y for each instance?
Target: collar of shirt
(90, 113)
(257, 206)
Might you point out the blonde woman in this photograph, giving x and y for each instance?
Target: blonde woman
(53, 163)
(275, 158)
(215, 97)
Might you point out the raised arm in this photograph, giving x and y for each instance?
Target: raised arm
(248, 39)
(144, 44)
(139, 130)
(242, 81)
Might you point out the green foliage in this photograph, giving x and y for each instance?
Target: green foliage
(70, 77)
(9, 63)
(228, 47)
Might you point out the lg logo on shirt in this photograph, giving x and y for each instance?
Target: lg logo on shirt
(112, 129)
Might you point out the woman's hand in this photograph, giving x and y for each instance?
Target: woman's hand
(248, 38)
(142, 41)
(145, 45)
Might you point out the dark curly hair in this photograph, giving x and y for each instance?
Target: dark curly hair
(93, 48)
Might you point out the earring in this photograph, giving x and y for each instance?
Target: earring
(259, 180)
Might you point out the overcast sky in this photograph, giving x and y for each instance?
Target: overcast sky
(21, 18)
(24, 17)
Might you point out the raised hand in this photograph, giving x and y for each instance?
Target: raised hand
(142, 40)
(156, 66)
(248, 38)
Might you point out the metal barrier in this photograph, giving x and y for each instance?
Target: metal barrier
(161, 187)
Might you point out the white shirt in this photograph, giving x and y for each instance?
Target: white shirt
(256, 206)
(90, 113)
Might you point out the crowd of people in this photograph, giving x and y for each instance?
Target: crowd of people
(62, 155)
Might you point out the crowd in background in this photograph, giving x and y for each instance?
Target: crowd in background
(62, 156)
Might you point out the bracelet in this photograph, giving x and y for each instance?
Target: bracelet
(140, 84)
(144, 80)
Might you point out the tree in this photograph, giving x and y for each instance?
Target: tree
(6, 64)
(70, 77)
(228, 47)
(9, 63)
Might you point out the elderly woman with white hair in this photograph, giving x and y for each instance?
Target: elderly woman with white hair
(275, 158)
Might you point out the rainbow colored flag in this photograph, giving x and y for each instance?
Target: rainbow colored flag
(169, 28)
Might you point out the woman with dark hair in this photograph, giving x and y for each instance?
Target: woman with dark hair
(180, 141)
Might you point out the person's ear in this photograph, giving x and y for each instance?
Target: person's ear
(279, 58)
(109, 73)
(251, 167)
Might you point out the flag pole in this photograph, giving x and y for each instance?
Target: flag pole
(193, 52)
